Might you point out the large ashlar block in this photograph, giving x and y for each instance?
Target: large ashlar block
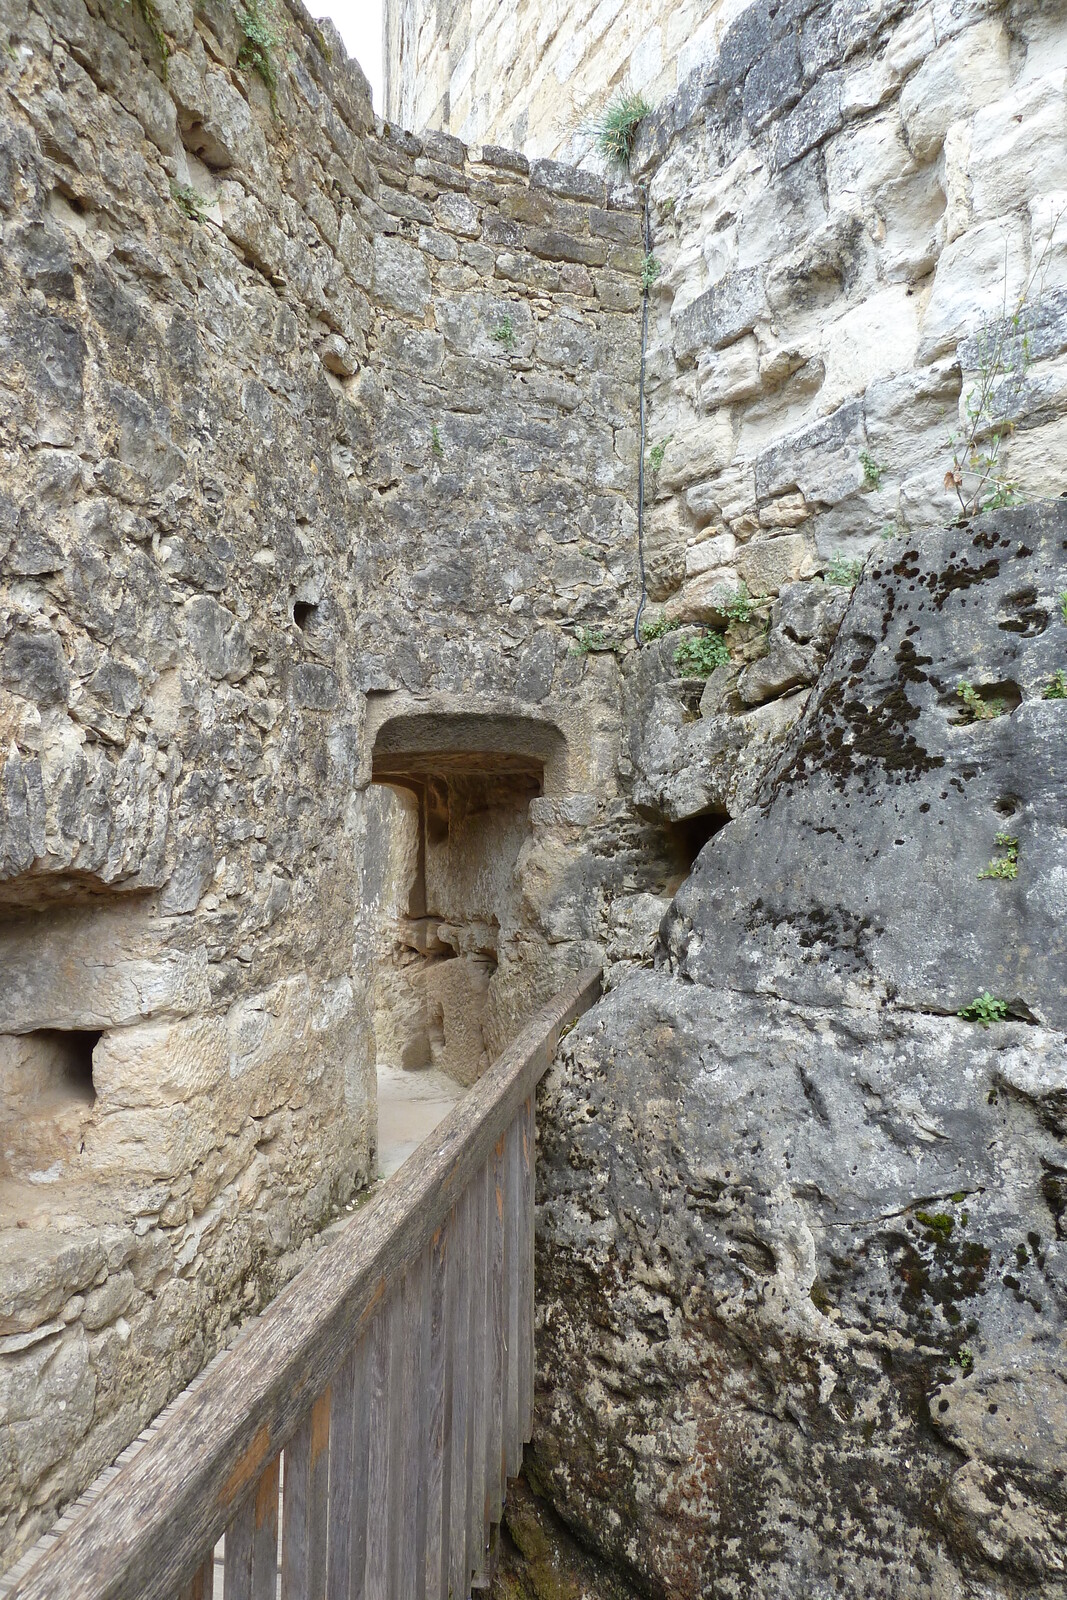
(96, 965)
(966, 73)
(979, 276)
(1019, 146)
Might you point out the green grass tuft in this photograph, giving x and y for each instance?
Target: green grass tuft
(616, 128)
(261, 39)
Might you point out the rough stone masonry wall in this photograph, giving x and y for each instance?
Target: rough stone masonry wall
(533, 76)
(259, 471)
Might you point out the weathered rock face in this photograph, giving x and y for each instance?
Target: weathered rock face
(803, 1238)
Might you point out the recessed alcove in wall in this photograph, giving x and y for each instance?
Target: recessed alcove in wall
(462, 787)
(685, 840)
(47, 1094)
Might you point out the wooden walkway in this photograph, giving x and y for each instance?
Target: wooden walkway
(355, 1441)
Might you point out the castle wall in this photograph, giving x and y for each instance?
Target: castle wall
(533, 77)
(290, 424)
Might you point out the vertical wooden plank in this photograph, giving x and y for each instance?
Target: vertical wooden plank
(528, 1286)
(495, 1331)
(377, 1569)
(410, 1561)
(459, 1340)
(305, 1505)
(434, 1506)
(237, 1561)
(478, 1354)
(264, 1583)
(342, 1418)
(358, 1499)
(512, 1291)
(399, 1334)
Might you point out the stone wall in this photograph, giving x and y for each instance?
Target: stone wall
(290, 428)
(533, 77)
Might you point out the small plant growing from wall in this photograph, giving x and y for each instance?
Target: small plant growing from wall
(650, 271)
(146, 10)
(435, 441)
(504, 333)
(1063, 605)
(699, 656)
(842, 572)
(658, 629)
(975, 708)
(615, 129)
(1007, 865)
(1056, 688)
(984, 1009)
(872, 472)
(657, 453)
(188, 201)
(594, 642)
(1003, 351)
(738, 604)
(259, 44)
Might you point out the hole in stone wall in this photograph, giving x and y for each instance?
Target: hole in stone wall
(57, 1067)
(303, 613)
(686, 838)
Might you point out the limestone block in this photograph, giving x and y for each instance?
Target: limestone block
(725, 497)
(729, 375)
(1034, 459)
(721, 314)
(471, 324)
(718, 551)
(216, 638)
(767, 564)
(861, 158)
(978, 274)
(912, 214)
(818, 115)
(42, 1271)
(879, 337)
(1019, 145)
(809, 613)
(97, 966)
(704, 598)
(785, 666)
(965, 73)
(774, 82)
(47, 1395)
(215, 120)
(822, 461)
(788, 511)
(400, 276)
(697, 450)
(160, 1063)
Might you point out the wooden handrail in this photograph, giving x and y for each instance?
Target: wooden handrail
(212, 1466)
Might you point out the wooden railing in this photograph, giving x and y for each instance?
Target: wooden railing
(356, 1439)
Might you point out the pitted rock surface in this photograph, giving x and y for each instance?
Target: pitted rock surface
(803, 1230)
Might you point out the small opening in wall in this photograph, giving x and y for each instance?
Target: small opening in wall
(69, 1058)
(303, 612)
(688, 837)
